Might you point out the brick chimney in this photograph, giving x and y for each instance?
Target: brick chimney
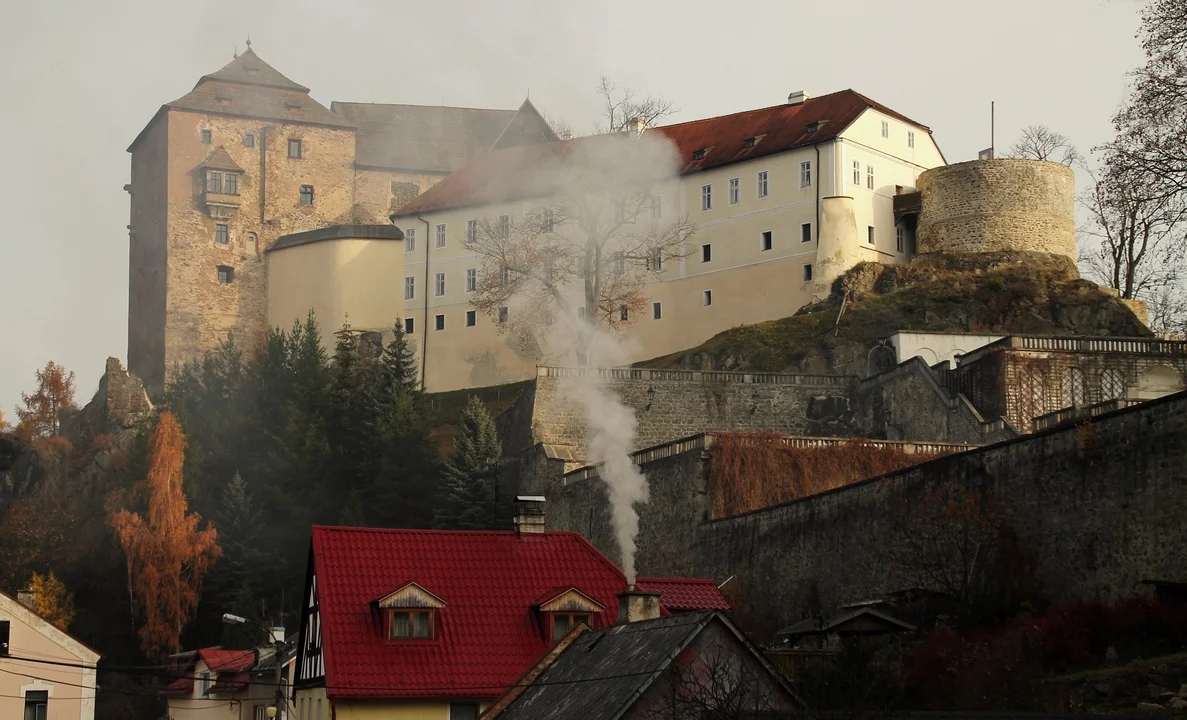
(635, 605)
(529, 520)
(28, 598)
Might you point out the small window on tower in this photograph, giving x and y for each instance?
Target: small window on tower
(294, 148)
(706, 253)
(207, 138)
(707, 297)
(657, 311)
(249, 140)
(806, 232)
(807, 273)
(503, 314)
(226, 275)
(222, 235)
(306, 194)
(624, 314)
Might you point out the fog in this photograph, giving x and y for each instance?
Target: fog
(81, 79)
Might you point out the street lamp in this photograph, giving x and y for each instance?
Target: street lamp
(277, 645)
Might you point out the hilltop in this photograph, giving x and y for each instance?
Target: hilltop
(1000, 292)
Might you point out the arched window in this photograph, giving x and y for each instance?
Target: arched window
(1073, 387)
(251, 245)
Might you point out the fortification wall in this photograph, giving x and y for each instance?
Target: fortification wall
(1100, 510)
(995, 205)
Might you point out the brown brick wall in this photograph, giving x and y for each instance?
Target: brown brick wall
(994, 205)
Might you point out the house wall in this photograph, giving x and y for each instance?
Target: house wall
(67, 686)
(937, 347)
(378, 193)
(394, 710)
(358, 278)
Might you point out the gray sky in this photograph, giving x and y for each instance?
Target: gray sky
(80, 79)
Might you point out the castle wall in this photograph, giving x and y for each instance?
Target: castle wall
(379, 193)
(998, 205)
(1100, 510)
(147, 255)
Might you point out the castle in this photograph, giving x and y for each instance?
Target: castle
(252, 204)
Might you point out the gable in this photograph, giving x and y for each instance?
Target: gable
(311, 664)
(411, 596)
(571, 600)
(12, 610)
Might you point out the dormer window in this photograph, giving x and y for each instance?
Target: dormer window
(699, 154)
(748, 142)
(410, 613)
(565, 609)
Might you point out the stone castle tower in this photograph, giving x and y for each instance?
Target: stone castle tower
(248, 156)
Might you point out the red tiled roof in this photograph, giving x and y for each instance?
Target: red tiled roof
(220, 660)
(523, 172)
(228, 683)
(487, 633)
(181, 687)
(685, 594)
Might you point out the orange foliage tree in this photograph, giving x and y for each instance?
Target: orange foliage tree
(4, 424)
(42, 411)
(51, 600)
(167, 554)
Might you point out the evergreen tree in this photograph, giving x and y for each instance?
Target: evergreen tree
(238, 523)
(353, 514)
(398, 364)
(468, 487)
(243, 636)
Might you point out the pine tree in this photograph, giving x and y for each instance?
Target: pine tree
(398, 364)
(237, 522)
(468, 487)
(243, 636)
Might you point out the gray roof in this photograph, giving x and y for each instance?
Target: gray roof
(249, 69)
(422, 137)
(821, 625)
(338, 232)
(601, 673)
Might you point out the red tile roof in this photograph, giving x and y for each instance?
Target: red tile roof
(220, 660)
(685, 594)
(488, 633)
(181, 687)
(524, 172)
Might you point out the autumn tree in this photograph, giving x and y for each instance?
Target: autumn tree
(41, 415)
(51, 600)
(621, 105)
(167, 553)
(578, 261)
(1039, 142)
(5, 426)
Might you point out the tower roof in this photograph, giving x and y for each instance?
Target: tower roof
(249, 69)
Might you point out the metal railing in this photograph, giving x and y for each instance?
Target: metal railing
(1139, 346)
(1058, 417)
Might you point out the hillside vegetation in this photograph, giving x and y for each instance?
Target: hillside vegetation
(1023, 293)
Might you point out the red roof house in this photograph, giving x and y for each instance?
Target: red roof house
(447, 617)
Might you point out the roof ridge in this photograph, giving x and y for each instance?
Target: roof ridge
(760, 109)
(415, 105)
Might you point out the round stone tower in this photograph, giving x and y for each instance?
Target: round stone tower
(995, 205)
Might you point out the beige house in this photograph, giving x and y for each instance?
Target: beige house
(783, 199)
(218, 684)
(44, 673)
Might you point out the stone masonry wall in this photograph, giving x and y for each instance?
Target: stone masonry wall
(1100, 509)
(993, 205)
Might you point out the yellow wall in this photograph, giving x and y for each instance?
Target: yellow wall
(31, 637)
(372, 709)
(334, 278)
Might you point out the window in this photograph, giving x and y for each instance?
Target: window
(857, 172)
(410, 240)
(471, 280)
(249, 140)
(707, 297)
(562, 623)
(5, 630)
(203, 683)
(504, 226)
(440, 236)
(899, 239)
(222, 235)
(206, 137)
(748, 142)
(870, 177)
(619, 263)
(504, 276)
(624, 313)
(463, 711)
(410, 287)
(231, 186)
(656, 311)
(1112, 385)
(885, 129)
(808, 273)
(548, 220)
(503, 314)
(409, 326)
(655, 263)
(911, 139)
(471, 318)
(226, 275)
(806, 173)
(870, 234)
(762, 184)
(439, 322)
(36, 704)
(806, 232)
(657, 207)
(439, 284)
(251, 246)
(706, 197)
(471, 231)
(734, 190)
(306, 194)
(768, 240)
(699, 154)
(214, 182)
(706, 253)
(294, 148)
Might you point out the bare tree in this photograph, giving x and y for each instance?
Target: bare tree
(717, 684)
(1152, 125)
(620, 106)
(1136, 230)
(584, 254)
(561, 127)
(1039, 142)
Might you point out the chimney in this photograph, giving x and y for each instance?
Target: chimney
(277, 634)
(797, 98)
(28, 598)
(635, 605)
(636, 126)
(566, 135)
(529, 520)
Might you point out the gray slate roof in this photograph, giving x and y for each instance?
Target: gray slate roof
(820, 625)
(421, 137)
(603, 672)
(338, 232)
(249, 69)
